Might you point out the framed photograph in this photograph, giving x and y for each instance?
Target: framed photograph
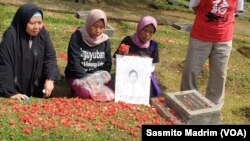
(132, 82)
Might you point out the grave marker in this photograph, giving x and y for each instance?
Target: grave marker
(109, 30)
(174, 2)
(183, 27)
(159, 104)
(82, 15)
(193, 108)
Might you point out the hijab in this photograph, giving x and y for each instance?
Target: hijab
(93, 16)
(146, 20)
(23, 15)
(15, 45)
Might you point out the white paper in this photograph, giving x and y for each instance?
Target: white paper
(132, 82)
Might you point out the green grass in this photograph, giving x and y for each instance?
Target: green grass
(172, 50)
(8, 12)
(166, 6)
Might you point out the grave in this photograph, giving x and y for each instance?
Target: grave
(159, 104)
(174, 2)
(193, 108)
(82, 15)
(183, 27)
(245, 51)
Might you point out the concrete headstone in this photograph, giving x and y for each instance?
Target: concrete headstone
(159, 104)
(193, 108)
(82, 15)
(183, 26)
(174, 2)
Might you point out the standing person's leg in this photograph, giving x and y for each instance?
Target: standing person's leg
(218, 61)
(198, 52)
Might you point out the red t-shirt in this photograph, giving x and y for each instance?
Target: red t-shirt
(214, 21)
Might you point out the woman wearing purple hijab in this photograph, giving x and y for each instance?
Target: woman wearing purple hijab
(141, 44)
(89, 51)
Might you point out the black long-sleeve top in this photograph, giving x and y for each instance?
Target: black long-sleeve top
(151, 51)
(83, 59)
(24, 68)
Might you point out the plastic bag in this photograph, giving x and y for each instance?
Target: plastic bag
(95, 85)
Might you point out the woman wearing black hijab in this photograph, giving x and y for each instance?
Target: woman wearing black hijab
(27, 57)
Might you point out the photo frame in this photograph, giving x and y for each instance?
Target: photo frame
(132, 82)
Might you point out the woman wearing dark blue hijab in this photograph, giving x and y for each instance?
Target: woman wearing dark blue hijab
(27, 56)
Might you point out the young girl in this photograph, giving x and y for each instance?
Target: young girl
(140, 43)
(89, 51)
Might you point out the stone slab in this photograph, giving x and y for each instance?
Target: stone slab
(82, 15)
(183, 26)
(159, 104)
(193, 108)
(174, 2)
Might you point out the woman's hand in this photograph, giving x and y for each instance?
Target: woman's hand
(123, 49)
(19, 97)
(48, 88)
